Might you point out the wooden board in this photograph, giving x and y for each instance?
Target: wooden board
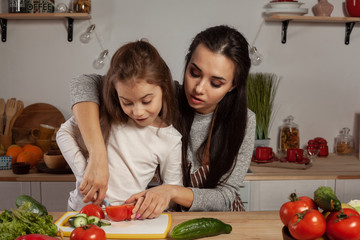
(136, 229)
(39, 113)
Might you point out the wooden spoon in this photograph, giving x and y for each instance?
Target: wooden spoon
(2, 110)
(10, 111)
(19, 110)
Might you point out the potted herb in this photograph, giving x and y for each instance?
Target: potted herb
(261, 91)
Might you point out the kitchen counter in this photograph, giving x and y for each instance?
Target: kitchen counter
(332, 167)
(245, 225)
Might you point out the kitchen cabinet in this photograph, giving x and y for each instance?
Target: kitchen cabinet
(41, 16)
(347, 189)
(349, 23)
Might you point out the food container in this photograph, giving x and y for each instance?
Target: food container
(5, 162)
(20, 168)
(81, 6)
(289, 135)
(344, 143)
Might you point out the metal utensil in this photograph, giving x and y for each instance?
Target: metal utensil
(2, 110)
(10, 111)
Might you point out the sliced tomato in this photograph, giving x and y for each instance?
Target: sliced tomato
(93, 210)
(119, 213)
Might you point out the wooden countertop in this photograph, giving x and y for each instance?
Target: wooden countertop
(331, 167)
(245, 225)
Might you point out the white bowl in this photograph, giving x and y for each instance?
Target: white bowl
(285, 4)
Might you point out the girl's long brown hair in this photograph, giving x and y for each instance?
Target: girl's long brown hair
(136, 60)
(230, 122)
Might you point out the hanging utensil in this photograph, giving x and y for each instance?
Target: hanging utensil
(2, 110)
(10, 111)
(19, 110)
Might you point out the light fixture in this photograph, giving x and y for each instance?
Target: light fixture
(100, 61)
(255, 57)
(86, 36)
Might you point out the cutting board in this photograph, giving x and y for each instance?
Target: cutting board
(39, 113)
(136, 229)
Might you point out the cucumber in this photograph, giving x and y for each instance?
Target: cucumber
(326, 199)
(200, 227)
(78, 221)
(35, 206)
(93, 220)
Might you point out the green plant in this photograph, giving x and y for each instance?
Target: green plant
(261, 91)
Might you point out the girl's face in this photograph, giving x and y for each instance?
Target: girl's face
(141, 101)
(208, 77)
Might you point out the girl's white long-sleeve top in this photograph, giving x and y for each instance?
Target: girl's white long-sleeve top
(134, 153)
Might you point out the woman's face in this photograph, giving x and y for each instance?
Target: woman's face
(141, 101)
(208, 77)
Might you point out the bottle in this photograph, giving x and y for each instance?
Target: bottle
(289, 135)
(81, 6)
(344, 143)
(17, 6)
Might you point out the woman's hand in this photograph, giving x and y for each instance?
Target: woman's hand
(150, 203)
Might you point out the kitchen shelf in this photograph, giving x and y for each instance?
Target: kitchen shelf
(349, 23)
(41, 16)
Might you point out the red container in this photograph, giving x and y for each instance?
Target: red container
(353, 7)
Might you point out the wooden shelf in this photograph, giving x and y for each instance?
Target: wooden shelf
(41, 16)
(349, 23)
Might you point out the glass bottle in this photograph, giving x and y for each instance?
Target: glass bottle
(289, 135)
(344, 144)
(81, 6)
(17, 6)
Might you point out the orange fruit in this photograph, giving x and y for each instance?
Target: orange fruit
(36, 150)
(27, 157)
(13, 151)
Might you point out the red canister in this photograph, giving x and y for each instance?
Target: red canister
(323, 150)
(353, 8)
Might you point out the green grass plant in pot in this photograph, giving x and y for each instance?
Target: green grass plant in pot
(261, 91)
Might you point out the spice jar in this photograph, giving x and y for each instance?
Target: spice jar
(81, 6)
(344, 144)
(289, 135)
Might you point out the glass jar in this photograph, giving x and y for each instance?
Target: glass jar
(81, 6)
(344, 143)
(289, 135)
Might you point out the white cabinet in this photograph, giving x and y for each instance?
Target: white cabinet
(270, 195)
(348, 189)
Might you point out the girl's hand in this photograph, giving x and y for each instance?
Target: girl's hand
(150, 203)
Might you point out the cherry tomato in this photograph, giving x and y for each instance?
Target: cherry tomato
(119, 213)
(294, 206)
(307, 225)
(88, 232)
(343, 225)
(93, 210)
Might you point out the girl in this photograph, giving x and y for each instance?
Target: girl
(137, 111)
(218, 130)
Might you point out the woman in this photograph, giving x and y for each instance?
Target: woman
(218, 130)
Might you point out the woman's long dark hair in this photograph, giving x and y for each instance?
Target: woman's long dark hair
(231, 116)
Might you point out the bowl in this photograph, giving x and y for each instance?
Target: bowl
(20, 168)
(54, 159)
(285, 4)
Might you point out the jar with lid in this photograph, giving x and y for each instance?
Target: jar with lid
(344, 143)
(289, 135)
(17, 6)
(81, 6)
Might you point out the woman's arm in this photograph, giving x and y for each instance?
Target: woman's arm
(85, 97)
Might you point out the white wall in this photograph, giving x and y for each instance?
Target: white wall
(320, 74)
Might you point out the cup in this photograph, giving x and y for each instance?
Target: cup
(44, 144)
(44, 132)
(295, 154)
(264, 153)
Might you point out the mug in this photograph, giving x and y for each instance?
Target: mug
(44, 132)
(295, 154)
(44, 144)
(264, 153)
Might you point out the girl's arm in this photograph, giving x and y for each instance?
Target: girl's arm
(85, 96)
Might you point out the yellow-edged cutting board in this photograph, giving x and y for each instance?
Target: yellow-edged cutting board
(136, 229)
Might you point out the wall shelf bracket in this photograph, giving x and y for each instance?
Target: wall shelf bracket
(349, 27)
(284, 30)
(70, 29)
(3, 24)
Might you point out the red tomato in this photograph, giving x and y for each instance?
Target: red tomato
(343, 225)
(307, 225)
(294, 206)
(93, 210)
(36, 236)
(119, 213)
(89, 232)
